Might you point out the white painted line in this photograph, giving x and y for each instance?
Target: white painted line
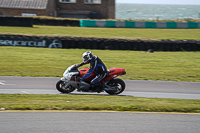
(134, 94)
(10, 84)
(2, 83)
(25, 92)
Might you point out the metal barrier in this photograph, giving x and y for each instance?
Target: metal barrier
(139, 24)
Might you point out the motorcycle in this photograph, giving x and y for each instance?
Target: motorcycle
(110, 84)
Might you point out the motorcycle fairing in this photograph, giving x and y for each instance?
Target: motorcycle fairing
(112, 73)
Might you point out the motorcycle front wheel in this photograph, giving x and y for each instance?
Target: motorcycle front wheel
(60, 86)
(117, 86)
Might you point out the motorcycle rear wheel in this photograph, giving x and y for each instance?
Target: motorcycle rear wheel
(60, 86)
(119, 86)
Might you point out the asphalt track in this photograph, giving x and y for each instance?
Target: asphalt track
(98, 122)
(136, 88)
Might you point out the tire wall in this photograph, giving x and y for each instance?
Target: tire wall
(55, 22)
(98, 43)
(16, 21)
(29, 22)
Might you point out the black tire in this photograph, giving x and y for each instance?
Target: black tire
(60, 86)
(119, 84)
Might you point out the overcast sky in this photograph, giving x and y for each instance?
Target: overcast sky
(191, 2)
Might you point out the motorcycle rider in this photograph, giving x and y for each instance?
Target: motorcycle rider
(96, 66)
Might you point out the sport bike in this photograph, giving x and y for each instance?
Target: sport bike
(110, 84)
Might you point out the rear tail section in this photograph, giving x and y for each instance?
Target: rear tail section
(115, 72)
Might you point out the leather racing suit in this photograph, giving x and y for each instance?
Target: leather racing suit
(96, 66)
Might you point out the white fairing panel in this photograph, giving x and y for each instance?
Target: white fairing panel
(68, 76)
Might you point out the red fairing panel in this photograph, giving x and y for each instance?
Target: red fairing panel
(84, 71)
(115, 72)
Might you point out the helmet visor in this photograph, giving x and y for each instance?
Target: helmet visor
(85, 58)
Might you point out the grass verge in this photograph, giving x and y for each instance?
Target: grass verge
(96, 102)
(126, 33)
(45, 62)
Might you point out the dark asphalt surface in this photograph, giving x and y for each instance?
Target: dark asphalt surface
(97, 122)
(137, 88)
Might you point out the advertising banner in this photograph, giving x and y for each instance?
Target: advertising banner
(50, 43)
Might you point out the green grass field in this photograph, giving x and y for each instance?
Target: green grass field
(127, 33)
(96, 102)
(45, 62)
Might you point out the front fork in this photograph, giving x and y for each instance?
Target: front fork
(65, 81)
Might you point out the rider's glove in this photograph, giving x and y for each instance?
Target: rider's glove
(77, 65)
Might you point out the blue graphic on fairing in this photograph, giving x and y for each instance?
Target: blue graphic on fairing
(87, 75)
